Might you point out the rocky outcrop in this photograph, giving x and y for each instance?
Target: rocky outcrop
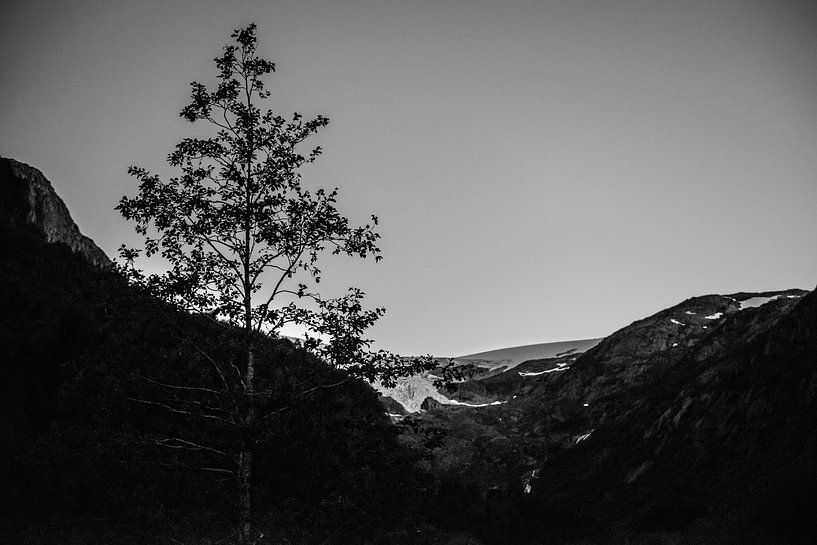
(391, 406)
(430, 404)
(28, 199)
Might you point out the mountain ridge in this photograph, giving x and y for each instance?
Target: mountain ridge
(692, 422)
(694, 425)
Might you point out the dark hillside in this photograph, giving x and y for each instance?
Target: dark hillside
(78, 457)
(724, 441)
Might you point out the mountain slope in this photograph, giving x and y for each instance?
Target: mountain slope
(28, 199)
(671, 424)
(725, 433)
(81, 460)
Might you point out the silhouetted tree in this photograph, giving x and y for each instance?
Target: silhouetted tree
(244, 239)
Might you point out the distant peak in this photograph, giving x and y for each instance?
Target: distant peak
(514, 355)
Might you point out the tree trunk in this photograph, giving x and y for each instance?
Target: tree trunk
(244, 501)
(245, 456)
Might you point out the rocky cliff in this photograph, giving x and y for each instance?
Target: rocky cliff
(28, 199)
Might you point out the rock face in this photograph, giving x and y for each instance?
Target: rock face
(430, 403)
(28, 199)
(411, 392)
(392, 407)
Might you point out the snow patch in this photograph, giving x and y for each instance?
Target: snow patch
(715, 316)
(690, 313)
(583, 436)
(676, 322)
(529, 480)
(562, 367)
(754, 302)
(455, 402)
(674, 345)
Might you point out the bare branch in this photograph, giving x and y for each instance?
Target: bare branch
(188, 445)
(182, 411)
(188, 388)
(214, 365)
(325, 386)
(218, 470)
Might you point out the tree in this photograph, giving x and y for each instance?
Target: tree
(243, 240)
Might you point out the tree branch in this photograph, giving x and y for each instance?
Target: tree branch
(189, 388)
(181, 411)
(188, 445)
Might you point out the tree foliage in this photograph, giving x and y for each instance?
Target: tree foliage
(242, 235)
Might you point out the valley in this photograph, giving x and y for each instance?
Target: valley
(693, 425)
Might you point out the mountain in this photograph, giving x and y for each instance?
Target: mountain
(410, 393)
(27, 199)
(700, 418)
(693, 425)
(512, 356)
(81, 459)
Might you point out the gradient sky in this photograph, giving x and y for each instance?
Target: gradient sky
(543, 170)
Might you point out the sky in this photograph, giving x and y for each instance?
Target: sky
(543, 171)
